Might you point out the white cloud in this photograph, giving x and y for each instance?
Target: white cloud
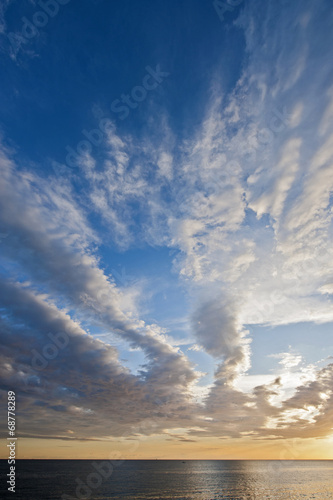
(247, 202)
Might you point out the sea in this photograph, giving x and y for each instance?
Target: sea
(169, 480)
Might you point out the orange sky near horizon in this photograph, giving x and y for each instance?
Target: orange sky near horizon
(161, 448)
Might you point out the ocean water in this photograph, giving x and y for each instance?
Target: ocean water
(170, 479)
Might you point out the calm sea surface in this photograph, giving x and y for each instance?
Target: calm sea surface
(170, 479)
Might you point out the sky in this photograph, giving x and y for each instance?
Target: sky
(166, 228)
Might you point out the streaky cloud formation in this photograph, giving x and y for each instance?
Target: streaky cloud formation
(241, 205)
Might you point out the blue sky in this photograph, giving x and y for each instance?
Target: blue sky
(166, 204)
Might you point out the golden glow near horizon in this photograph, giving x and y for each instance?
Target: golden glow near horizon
(157, 447)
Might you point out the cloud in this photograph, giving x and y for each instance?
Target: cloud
(3, 9)
(246, 202)
(50, 240)
(215, 326)
(81, 377)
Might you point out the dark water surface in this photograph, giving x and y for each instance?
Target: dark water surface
(170, 479)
